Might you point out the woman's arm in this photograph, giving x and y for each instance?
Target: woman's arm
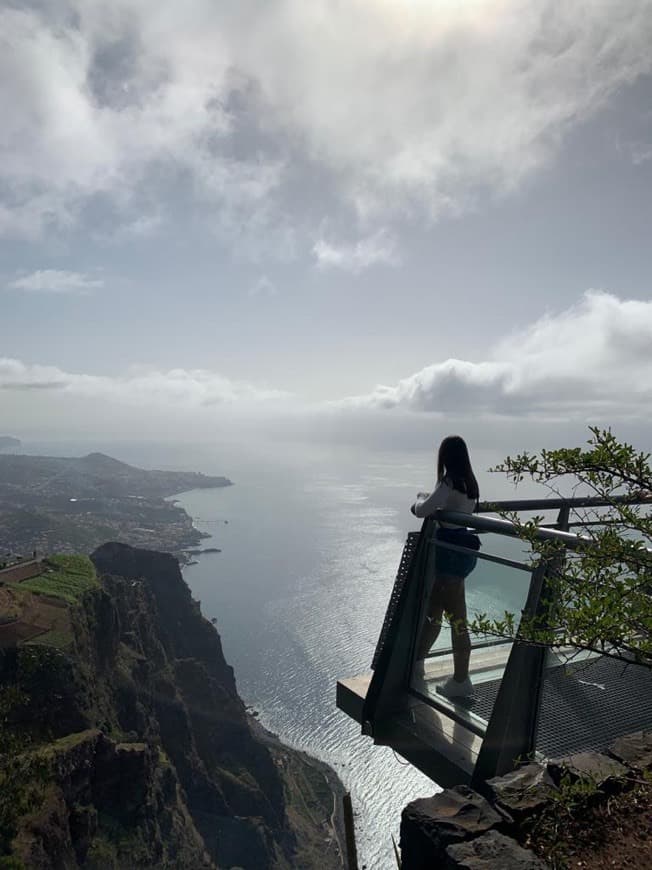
(428, 504)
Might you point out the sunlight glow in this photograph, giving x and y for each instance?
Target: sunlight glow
(442, 14)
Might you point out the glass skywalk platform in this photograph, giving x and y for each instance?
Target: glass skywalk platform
(526, 701)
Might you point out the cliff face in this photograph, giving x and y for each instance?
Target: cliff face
(152, 758)
(106, 804)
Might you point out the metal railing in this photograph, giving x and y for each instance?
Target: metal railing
(509, 528)
(535, 504)
(511, 729)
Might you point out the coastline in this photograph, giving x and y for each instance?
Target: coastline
(304, 777)
(72, 504)
(274, 605)
(188, 553)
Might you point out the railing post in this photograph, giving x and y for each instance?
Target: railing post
(512, 729)
(387, 692)
(563, 517)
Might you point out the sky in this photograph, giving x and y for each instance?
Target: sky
(375, 215)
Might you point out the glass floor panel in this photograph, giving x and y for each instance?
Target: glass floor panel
(486, 669)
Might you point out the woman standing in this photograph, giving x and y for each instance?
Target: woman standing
(456, 490)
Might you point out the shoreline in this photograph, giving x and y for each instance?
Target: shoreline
(189, 554)
(318, 769)
(321, 770)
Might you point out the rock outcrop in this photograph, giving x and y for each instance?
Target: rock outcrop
(590, 809)
(152, 760)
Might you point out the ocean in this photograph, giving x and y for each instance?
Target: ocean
(310, 539)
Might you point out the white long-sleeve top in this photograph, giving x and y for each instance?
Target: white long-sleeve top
(443, 497)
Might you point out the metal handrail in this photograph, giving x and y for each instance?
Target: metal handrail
(533, 504)
(507, 527)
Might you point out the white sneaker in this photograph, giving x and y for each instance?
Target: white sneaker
(452, 688)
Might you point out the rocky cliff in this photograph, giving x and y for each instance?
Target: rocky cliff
(146, 755)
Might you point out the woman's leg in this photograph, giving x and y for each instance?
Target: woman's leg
(431, 624)
(454, 602)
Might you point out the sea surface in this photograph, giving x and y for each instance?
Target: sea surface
(310, 539)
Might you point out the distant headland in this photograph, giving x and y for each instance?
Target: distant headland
(7, 442)
(75, 504)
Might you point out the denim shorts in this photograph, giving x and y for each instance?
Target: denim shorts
(452, 562)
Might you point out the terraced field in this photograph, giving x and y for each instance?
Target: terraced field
(36, 610)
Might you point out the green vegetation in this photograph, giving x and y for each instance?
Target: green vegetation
(54, 638)
(21, 774)
(101, 854)
(61, 745)
(7, 862)
(67, 577)
(76, 564)
(598, 595)
(584, 826)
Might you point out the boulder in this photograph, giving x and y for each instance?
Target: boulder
(635, 750)
(594, 767)
(491, 851)
(430, 825)
(523, 791)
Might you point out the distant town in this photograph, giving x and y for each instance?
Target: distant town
(72, 505)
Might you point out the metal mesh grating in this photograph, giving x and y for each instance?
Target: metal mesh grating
(403, 572)
(483, 699)
(585, 705)
(590, 704)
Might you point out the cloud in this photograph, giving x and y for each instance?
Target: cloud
(641, 153)
(379, 248)
(263, 286)
(55, 281)
(404, 106)
(594, 357)
(106, 102)
(591, 360)
(179, 388)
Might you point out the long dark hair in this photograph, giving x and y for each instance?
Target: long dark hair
(454, 465)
